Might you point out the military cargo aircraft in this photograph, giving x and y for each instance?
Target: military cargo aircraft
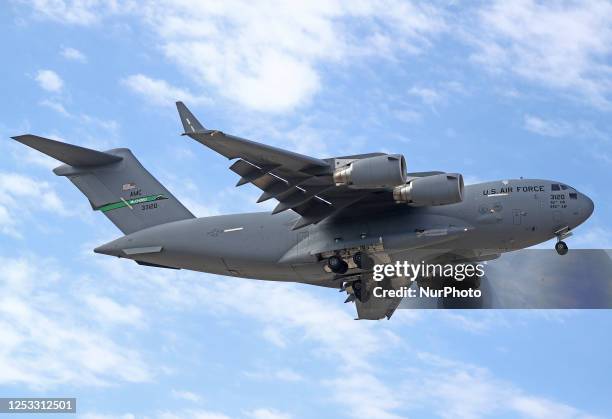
(334, 220)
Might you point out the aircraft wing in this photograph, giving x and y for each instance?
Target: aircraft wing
(301, 183)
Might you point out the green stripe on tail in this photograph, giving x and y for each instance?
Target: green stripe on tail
(130, 202)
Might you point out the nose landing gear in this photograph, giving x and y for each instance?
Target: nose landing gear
(561, 234)
(561, 248)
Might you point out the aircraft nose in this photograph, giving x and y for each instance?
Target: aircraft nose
(587, 206)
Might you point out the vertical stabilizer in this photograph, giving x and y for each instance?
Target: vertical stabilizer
(115, 183)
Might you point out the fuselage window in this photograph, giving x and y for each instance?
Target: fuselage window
(554, 187)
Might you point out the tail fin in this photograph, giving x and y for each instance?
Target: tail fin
(114, 182)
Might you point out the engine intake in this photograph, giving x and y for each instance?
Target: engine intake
(442, 189)
(373, 172)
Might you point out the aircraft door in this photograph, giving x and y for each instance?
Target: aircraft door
(517, 216)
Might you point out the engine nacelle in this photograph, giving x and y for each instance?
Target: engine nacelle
(373, 172)
(442, 189)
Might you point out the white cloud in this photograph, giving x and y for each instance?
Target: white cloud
(547, 128)
(266, 55)
(109, 125)
(427, 95)
(284, 374)
(263, 413)
(451, 389)
(22, 195)
(8, 223)
(274, 336)
(277, 69)
(302, 315)
(407, 115)
(537, 408)
(47, 338)
(92, 415)
(381, 401)
(56, 106)
(560, 128)
(563, 45)
(287, 374)
(191, 414)
(294, 313)
(109, 311)
(181, 414)
(49, 80)
(160, 92)
(186, 395)
(595, 237)
(73, 54)
(285, 307)
(78, 12)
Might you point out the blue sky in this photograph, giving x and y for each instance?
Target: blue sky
(492, 90)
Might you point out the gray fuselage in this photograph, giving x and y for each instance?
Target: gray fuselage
(494, 217)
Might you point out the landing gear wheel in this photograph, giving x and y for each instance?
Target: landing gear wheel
(337, 265)
(358, 259)
(561, 248)
(357, 288)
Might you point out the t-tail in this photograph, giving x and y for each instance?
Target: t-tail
(115, 183)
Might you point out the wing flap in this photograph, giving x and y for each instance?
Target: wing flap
(317, 209)
(250, 172)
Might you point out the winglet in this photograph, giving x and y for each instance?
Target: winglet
(70, 154)
(190, 122)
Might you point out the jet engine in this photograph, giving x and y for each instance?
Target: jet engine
(442, 189)
(373, 172)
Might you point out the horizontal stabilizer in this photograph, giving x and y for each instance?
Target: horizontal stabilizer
(72, 155)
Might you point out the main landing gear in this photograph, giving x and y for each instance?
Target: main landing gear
(561, 248)
(358, 259)
(337, 265)
(357, 288)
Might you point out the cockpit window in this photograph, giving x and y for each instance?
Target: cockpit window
(563, 187)
(573, 195)
(554, 187)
